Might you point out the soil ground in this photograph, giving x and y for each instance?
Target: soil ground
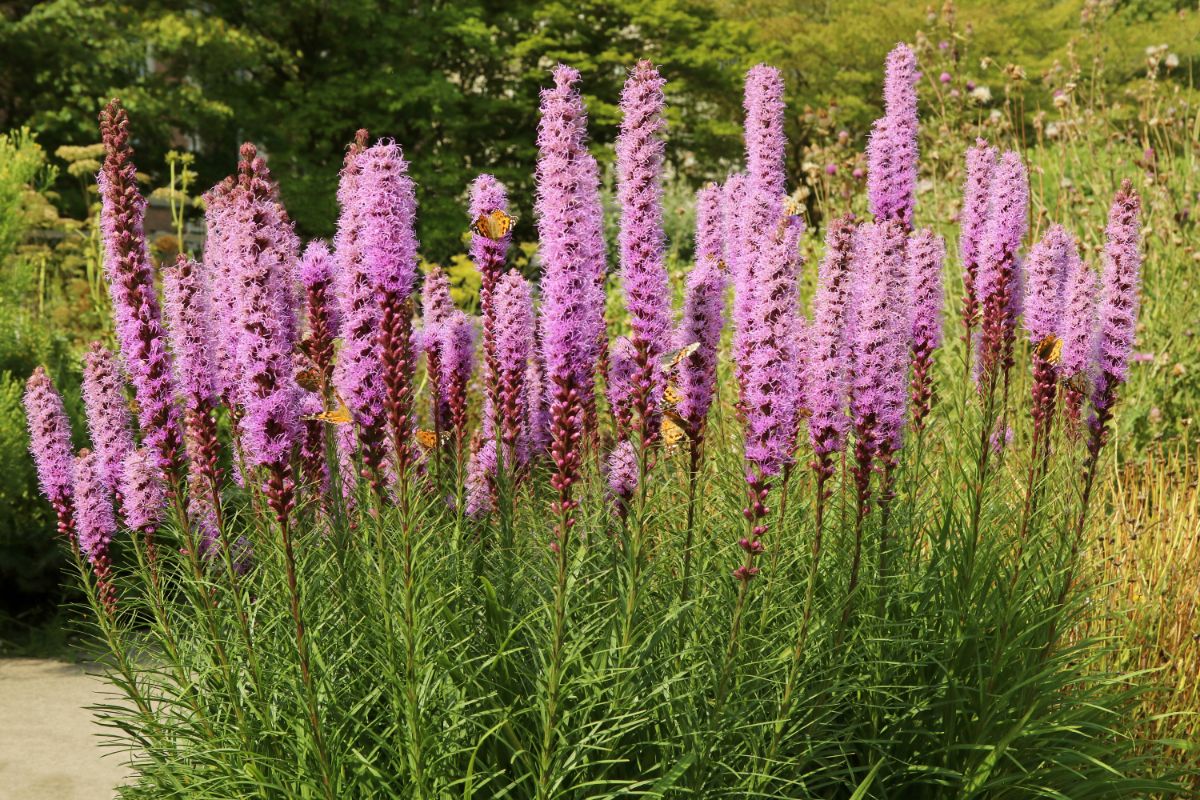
(51, 747)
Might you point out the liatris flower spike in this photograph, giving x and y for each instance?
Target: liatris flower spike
(513, 342)
(981, 164)
(1047, 272)
(926, 250)
(828, 372)
(643, 244)
(267, 252)
(96, 523)
(766, 143)
(131, 285)
(489, 251)
(50, 445)
(1120, 284)
(621, 473)
(144, 495)
(892, 149)
(110, 423)
(998, 282)
(1078, 336)
(320, 303)
(571, 293)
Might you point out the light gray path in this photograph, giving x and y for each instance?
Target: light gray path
(50, 746)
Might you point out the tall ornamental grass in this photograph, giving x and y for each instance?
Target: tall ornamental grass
(745, 549)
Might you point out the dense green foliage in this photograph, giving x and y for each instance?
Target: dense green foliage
(951, 672)
(456, 83)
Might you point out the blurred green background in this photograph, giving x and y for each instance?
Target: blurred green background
(456, 84)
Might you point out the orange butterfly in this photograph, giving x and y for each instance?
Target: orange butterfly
(309, 379)
(494, 225)
(338, 416)
(1049, 349)
(429, 439)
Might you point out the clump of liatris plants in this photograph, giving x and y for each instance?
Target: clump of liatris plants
(594, 571)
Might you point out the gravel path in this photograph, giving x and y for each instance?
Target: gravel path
(50, 745)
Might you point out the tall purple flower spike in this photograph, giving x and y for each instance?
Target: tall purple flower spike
(1045, 283)
(998, 281)
(828, 369)
(218, 264)
(96, 523)
(622, 377)
(881, 338)
(456, 335)
(981, 164)
(376, 251)
(266, 251)
(145, 498)
(50, 446)
(703, 317)
(322, 314)
(490, 255)
(1120, 285)
(765, 141)
(481, 471)
(190, 317)
(572, 296)
(640, 152)
(131, 286)
(110, 424)
(621, 474)
(513, 343)
(436, 308)
(1081, 294)
(926, 252)
(892, 149)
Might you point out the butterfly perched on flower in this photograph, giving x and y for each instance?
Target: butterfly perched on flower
(672, 359)
(309, 379)
(1049, 349)
(1079, 382)
(429, 439)
(494, 225)
(338, 416)
(673, 433)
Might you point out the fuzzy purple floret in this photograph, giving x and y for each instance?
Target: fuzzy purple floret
(828, 372)
(1079, 317)
(316, 273)
(892, 149)
(766, 143)
(109, 421)
(569, 231)
(456, 345)
(143, 492)
(218, 263)
(710, 224)
(49, 437)
(622, 374)
(481, 471)
(376, 255)
(94, 517)
(266, 251)
(535, 431)
(130, 277)
(640, 152)
(190, 318)
(621, 471)
(436, 302)
(1045, 281)
(1120, 284)
(765, 308)
(514, 322)
(981, 164)
(926, 252)
(703, 318)
(880, 344)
